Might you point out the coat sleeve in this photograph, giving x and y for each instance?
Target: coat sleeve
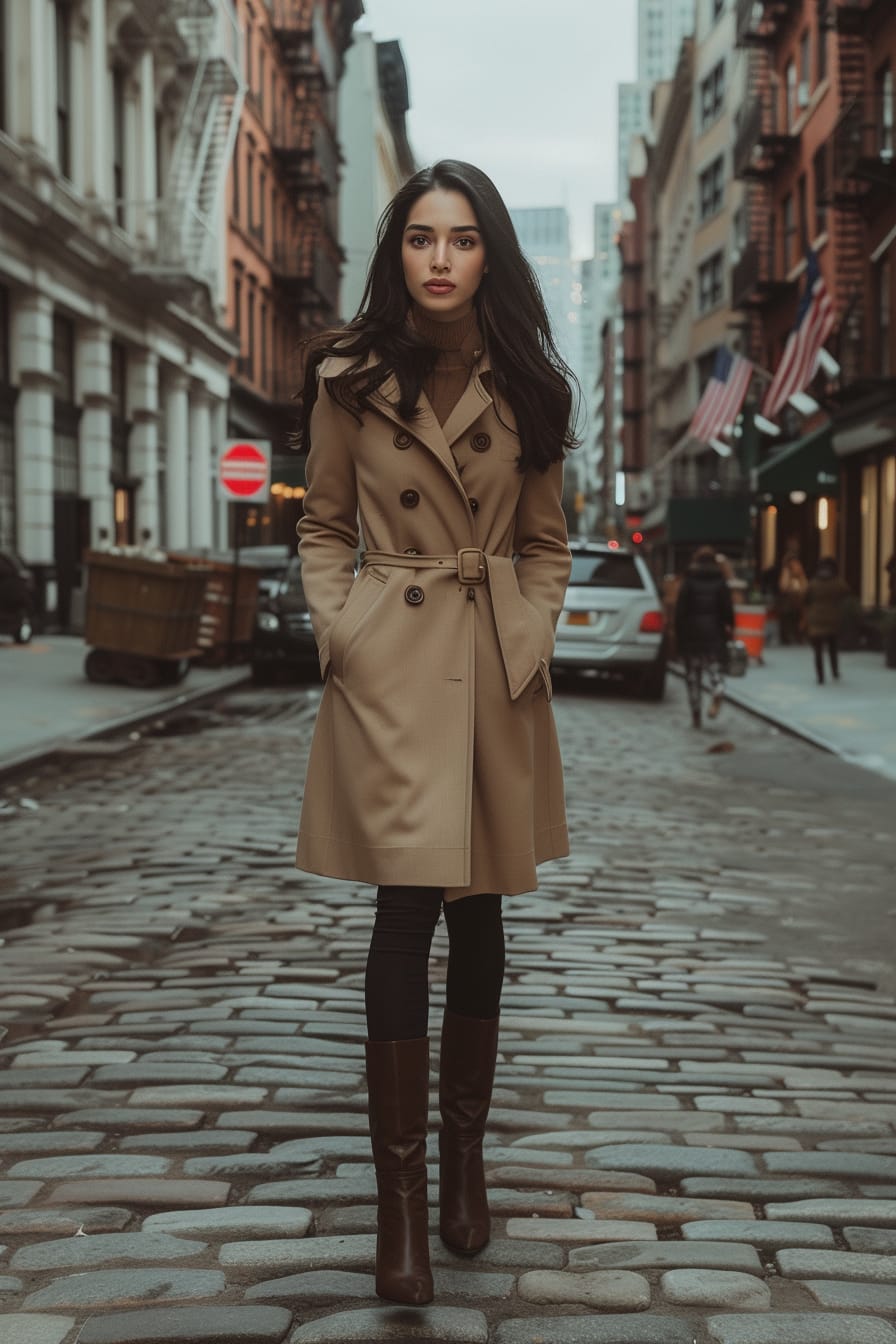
(328, 531)
(540, 542)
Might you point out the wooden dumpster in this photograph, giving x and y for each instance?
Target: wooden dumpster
(142, 618)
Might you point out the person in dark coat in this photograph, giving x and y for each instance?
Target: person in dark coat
(704, 620)
(825, 597)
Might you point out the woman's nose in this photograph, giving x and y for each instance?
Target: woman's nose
(440, 257)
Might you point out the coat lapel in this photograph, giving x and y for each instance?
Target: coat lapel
(473, 402)
(425, 427)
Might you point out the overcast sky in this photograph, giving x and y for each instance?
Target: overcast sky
(525, 89)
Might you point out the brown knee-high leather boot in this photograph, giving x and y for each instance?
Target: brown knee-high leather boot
(398, 1106)
(469, 1050)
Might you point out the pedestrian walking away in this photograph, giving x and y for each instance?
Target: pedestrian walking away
(825, 599)
(792, 586)
(436, 423)
(704, 621)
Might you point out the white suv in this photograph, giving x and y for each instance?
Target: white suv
(612, 618)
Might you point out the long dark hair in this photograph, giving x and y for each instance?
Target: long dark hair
(529, 374)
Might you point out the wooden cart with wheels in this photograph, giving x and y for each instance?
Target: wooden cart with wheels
(142, 618)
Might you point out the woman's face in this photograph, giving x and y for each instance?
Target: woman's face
(442, 254)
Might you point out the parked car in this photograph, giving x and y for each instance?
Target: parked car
(16, 597)
(283, 639)
(612, 618)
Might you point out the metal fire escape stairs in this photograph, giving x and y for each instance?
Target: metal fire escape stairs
(190, 231)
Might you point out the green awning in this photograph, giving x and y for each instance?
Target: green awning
(289, 470)
(809, 464)
(693, 521)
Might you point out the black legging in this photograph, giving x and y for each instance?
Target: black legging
(396, 986)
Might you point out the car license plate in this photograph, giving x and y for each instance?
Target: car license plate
(578, 618)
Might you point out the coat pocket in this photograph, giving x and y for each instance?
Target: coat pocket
(363, 596)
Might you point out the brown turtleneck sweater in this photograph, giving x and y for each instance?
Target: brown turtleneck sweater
(459, 345)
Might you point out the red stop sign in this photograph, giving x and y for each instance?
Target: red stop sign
(243, 471)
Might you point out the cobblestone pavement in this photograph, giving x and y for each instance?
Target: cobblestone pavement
(693, 1135)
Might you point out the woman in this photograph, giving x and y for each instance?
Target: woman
(704, 620)
(825, 597)
(438, 419)
(792, 587)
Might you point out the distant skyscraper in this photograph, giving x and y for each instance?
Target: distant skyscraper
(661, 26)
(544, 237)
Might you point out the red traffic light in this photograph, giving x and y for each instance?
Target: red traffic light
(637, 538)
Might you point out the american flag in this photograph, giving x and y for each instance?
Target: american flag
(723, 396)
(814, 323)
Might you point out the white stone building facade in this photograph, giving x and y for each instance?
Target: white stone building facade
(116, 123)
(373, 102)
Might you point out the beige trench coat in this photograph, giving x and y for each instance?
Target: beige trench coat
(434, 760)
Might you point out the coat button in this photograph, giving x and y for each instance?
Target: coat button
(414, 595)
(481, 443)
(410, 499)
(412, 550)
(402, 439)
(474, 505)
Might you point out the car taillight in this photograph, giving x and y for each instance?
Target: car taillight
(652, 623)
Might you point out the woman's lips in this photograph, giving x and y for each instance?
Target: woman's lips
(439, 286)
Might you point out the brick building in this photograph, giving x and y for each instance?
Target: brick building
(283, 254)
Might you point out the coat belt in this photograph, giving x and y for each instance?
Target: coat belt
(520, 652)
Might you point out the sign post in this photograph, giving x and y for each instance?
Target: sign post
(244, 476)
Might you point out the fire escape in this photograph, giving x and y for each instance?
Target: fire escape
(860, 173)
(308, 158)
(763, 147)
(188, 236)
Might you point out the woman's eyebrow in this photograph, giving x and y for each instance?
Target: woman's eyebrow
(455, 228)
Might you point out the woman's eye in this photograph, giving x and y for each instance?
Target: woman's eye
(419, 240)
(466, 243)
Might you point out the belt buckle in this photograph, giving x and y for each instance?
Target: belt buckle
(471, 558)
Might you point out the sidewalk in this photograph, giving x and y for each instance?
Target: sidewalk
(48, 701)
(854, 717)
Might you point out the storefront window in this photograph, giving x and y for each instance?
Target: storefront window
(887, 523)
(868, 592)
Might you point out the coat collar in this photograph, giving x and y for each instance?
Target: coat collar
(425, 427)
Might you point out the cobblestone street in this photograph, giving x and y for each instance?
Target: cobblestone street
(693, 1135)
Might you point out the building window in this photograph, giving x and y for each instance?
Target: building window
(264, 344)
(820, 173)
(802, 213)
(886, 112)
(66, 458)
(238, 306)
(712, 188)
(250, 334)
(4, 337)
(805, 81)
(788, 228)
(118, 144)
(7, 432)
(790, 90)
(262, 204)
(2, 65)
(235, 180)
(821, 45)
(250, 34)
(711, 282)
(250, 190)
(883, 284)
(63, 88)
(261, 79)
(64, 357)
(712, 95)
(118, 367)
